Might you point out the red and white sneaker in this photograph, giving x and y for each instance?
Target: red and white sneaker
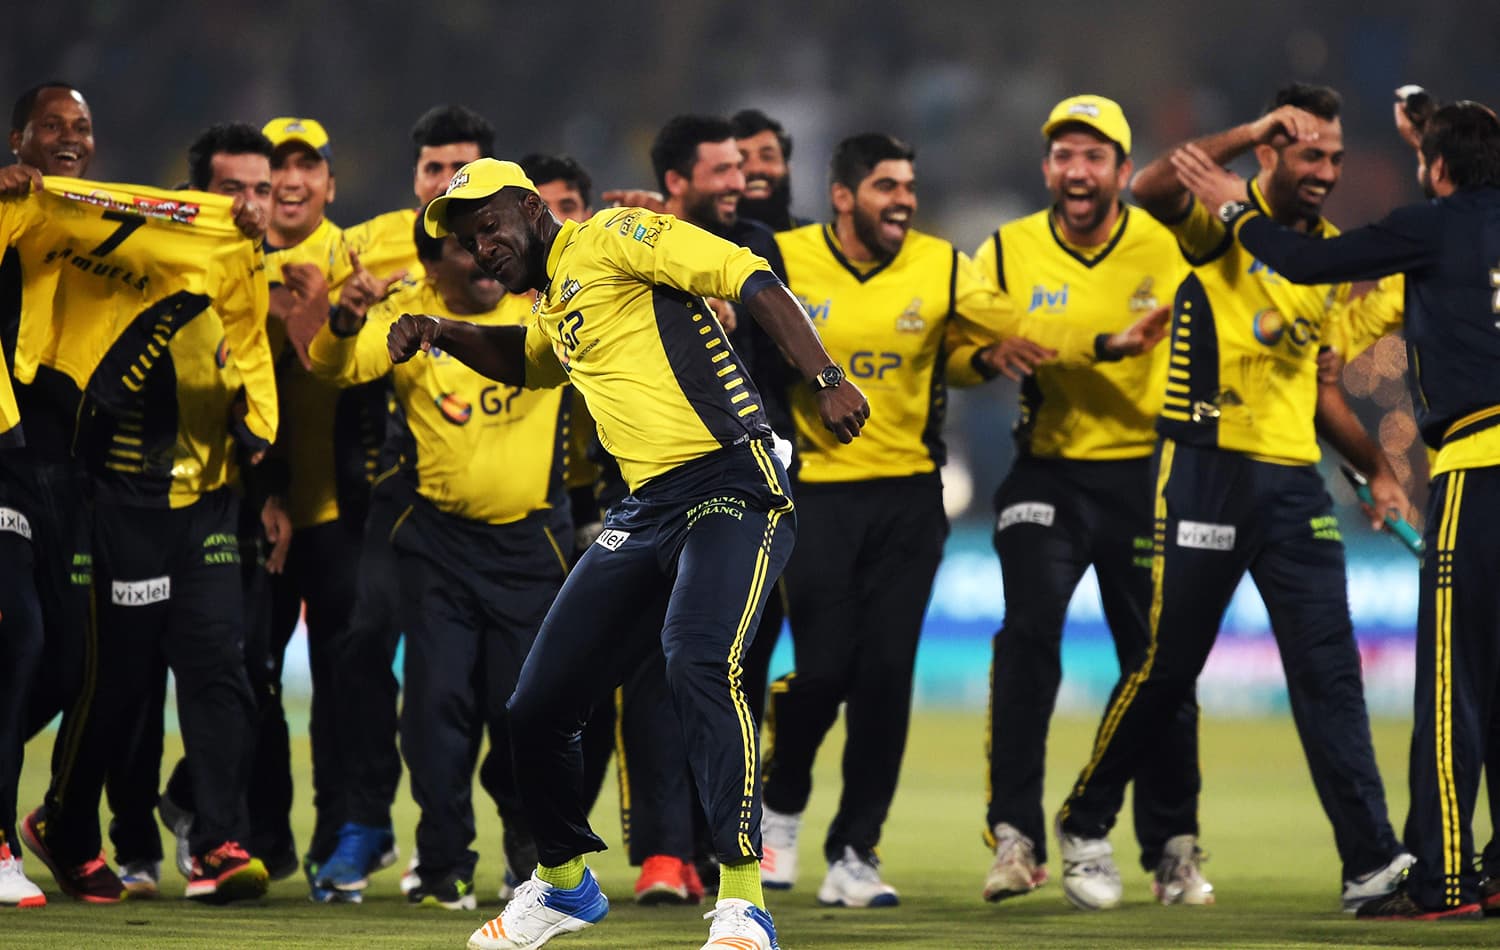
(227, 873)
(662, 881)
(15, 889)
(91, 882)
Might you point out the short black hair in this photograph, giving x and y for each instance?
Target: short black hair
(1321, 101)
(225, 138)
(544, 168)
(856, 156)
(429, 248)
(676, 145)
(20, 115)
(1466, 136)
(444, 125)
(748, 122)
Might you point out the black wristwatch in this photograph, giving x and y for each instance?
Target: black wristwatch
(1230, 210)
(828, 377)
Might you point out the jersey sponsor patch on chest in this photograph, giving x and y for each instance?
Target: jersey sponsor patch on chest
(155, 590)
(1049, 301)
(13, 521)
(612, 539)
(1026, 512)
(1203, 536)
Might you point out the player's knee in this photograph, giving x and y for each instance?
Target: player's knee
(1030, 631)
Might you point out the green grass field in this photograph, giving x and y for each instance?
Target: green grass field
(1272, 863)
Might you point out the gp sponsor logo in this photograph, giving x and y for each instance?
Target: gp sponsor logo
(13, 521)
(1204, 536)
(155, 590)
(611, 539)
(1026, 512)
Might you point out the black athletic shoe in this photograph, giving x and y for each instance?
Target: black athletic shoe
(1399, 905)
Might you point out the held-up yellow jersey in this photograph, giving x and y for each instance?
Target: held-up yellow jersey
(1360, 322)
(331, 436)
(891, 326)
(1242, 370)
(1095, 410)
(137, 297)
(484, 451)
(385, 246)
(17, 215)
(624, 320)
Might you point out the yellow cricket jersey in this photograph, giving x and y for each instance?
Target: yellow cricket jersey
(327, 430)
(385, 245)
(138, 297)
(624, 320)
(17, 215)
(1361, 321)
(1242, 370)
(484, 451)
(1087, 409)
(891, 326)
(582, 470)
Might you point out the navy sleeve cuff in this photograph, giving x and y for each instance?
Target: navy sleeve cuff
(758, 281)
(979, 366)
(1101, 350)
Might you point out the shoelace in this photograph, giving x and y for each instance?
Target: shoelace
(730, 922)
(528, 895)
(863, 871)
(1013, 848)
(229, 850)
(91, 867)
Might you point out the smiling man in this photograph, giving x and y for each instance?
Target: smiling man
(887, 301)
(1237, 490)
(1079, 493)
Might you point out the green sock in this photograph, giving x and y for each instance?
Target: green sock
(570, 874)
(742, 880)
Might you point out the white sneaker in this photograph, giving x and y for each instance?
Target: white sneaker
(409, 879)
(180, 823)
(778, 845)
(1179, 880)
(16, 890)
(1015, 871)
(739, 925)
(1377, 883)
(142, 879)
(853, 881)
(538, 912)
(1090, 879)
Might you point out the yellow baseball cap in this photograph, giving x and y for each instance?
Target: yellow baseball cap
(1098, 113)
(478, 179)
(309, 132)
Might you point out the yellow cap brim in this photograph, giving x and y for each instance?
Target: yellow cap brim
(482, 178)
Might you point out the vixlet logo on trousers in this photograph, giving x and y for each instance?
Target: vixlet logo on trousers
(1204, 536)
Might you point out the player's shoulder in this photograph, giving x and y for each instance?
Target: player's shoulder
(400, 221)
(809, 235)
(921, 247)
(1030, 228)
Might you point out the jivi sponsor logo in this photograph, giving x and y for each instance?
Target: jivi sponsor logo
(155, 590)
(610, 539)
(13, 521)
(1204, 536)
(1026, 512)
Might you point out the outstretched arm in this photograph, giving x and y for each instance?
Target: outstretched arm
(843, 407)
(498, 353)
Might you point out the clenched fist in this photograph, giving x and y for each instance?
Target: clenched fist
(411, 333)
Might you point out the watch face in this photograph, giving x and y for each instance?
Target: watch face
(830, 376)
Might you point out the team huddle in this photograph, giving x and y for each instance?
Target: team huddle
(587, 463)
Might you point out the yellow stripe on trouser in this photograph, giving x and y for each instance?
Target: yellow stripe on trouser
(82, 710)
(622, 768)
(1122, 702)
(1443, 690)
(736, 648)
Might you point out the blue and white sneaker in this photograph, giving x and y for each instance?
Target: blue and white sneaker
(538, 912)
(361, 850)
(739, 925)
(319, 894)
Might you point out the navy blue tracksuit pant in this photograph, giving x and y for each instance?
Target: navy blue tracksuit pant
(1457, 684)
(707, 541)
(1055, 518)
(476, 595)
(1217, 515)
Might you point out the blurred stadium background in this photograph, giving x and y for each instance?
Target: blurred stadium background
(967, 82)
